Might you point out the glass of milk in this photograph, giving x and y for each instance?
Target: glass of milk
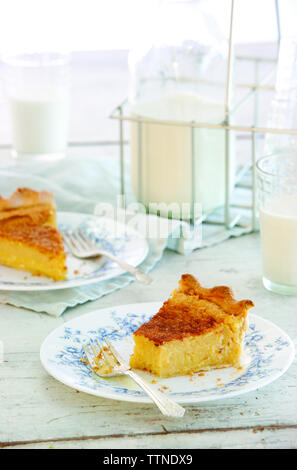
(38, 92)
(277, 196)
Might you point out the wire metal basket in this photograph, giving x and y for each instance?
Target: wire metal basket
(231, 215)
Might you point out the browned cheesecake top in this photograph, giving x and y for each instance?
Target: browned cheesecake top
(192, 311)
(24, 218)
(176, 321)
(22, 229)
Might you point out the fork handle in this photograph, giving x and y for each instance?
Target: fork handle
(167, 406)
(137, 273)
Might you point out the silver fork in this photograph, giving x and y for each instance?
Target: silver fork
(83, 247)
(118, 366)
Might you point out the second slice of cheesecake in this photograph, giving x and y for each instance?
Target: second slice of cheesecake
(29, 238)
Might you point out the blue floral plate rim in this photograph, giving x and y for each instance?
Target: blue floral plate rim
(269, 352)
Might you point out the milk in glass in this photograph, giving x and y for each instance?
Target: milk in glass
(39, 126)
(38, 94)
(161, 167)
(278, 220)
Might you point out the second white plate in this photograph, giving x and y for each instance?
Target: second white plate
(121, 240)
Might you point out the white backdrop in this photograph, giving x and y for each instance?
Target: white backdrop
(114, 24)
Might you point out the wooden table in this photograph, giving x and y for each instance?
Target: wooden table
(36, 411)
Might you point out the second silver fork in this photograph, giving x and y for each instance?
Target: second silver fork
(81, 246)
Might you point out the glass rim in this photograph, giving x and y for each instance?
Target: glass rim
(275, 155)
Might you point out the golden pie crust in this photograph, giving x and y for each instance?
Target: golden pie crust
(24, 197)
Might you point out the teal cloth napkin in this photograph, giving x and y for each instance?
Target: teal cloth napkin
(80, 185)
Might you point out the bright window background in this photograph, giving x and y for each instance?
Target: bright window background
(107, 29)
(114, 24)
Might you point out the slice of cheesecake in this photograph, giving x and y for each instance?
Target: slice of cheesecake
(196, 329)
(29, 238)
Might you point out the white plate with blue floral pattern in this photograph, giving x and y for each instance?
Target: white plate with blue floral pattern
(268, 354)
(122, 240)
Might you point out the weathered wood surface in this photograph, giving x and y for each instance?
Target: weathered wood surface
(37, 411)
(252, 438)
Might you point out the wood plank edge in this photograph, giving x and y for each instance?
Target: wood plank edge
(254, 429)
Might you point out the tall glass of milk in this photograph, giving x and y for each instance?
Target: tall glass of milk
(277, 196)
(38, 93)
